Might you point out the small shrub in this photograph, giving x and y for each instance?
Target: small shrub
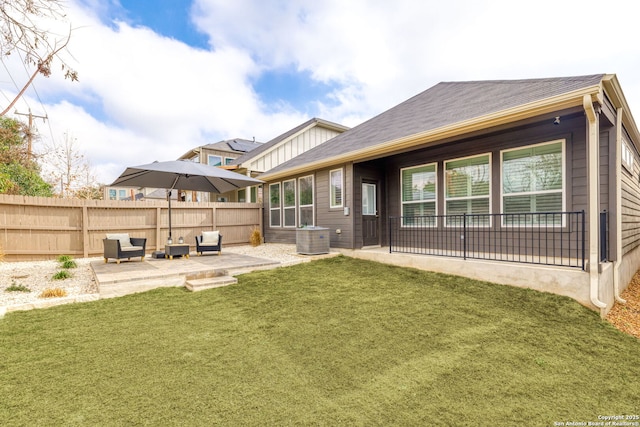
(17, 288)
(53, 293)
(256, 237)
(69, 264)
(64, 258)
(61, 275)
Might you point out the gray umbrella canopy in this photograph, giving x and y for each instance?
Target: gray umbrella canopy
(183, 175)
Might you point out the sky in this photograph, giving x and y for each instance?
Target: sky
(158, 78)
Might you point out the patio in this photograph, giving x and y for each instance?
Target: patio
(195, 272)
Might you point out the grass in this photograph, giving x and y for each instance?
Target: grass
(335, 341)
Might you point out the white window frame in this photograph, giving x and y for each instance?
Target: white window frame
(332, 192)
(209, 156)
(562, 191)
(275, 210)
(627, 156)
(434, 200)
(468, 198)
(286, 207)
(312, 205)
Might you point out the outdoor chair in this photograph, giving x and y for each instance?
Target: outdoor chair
(119, 246)
(209, 241)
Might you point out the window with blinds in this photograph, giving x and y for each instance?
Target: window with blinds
(533, 180)
(335, 190)
(289, 202)
(467, 190)
(418, 189)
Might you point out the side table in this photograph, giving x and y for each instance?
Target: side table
(176, 249)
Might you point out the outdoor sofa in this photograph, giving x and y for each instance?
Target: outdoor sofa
(120, 245)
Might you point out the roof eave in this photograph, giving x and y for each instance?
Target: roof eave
(524, 111)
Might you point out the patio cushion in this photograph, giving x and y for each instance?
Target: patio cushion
(125, 242)
(131, 248)
(210, 237)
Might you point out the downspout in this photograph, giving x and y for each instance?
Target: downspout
(618, 261)
(592, 176)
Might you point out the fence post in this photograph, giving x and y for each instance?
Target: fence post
(85, 231)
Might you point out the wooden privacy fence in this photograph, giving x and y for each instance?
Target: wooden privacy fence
(35, 228)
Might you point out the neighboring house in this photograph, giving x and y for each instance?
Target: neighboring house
(533, 183)
(282, 148)
(221, 153)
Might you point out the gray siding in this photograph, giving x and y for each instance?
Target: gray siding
(631, 206)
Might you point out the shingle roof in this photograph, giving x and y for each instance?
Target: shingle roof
(444, 104)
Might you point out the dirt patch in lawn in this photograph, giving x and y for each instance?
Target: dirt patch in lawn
(626, 317)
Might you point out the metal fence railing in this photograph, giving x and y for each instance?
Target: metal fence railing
(549, 238)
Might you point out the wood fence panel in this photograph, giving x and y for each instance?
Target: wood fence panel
(35, 228)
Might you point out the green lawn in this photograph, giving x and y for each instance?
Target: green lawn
(335, 341)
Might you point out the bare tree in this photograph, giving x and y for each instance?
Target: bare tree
(21, 32)
(67, 168)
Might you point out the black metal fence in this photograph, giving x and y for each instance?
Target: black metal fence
(549, 238)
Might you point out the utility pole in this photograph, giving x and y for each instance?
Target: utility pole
(30, 131)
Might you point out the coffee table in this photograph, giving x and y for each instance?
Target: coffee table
(176, 249)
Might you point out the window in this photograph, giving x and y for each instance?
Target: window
(336, 186)
(112, 194)
(289, 198)
(274, 205)
(418, 189)
(533, 181)
(214, 160)
(627, 156)
(254, 194)
(228, 160)
(122, 194)
(305, 188)
(467, 187)
(242, 195)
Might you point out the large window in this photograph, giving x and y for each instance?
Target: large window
(214, 160)
(467, 189)
(418, 194)
(274, 205)
(305, 188)
(289, 199)
(533, 180)
(336, 186)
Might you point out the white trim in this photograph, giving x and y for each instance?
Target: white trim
(331, 205)
(563, 190)
(435, 199)
(312, 205)
(468, 198)
(293, 207)
(627, 156)
(278, 209)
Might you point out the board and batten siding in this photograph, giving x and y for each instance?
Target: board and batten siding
(291, 148)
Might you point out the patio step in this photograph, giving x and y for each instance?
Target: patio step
(209, 282)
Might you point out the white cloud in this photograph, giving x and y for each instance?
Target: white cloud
(150, 97)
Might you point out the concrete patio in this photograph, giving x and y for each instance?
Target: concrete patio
(195, 272)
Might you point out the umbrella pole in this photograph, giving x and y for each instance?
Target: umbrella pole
(169, 196)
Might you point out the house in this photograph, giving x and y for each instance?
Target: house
(221, 154)
(532, 183)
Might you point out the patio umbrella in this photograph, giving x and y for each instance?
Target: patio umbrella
(183, 175)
